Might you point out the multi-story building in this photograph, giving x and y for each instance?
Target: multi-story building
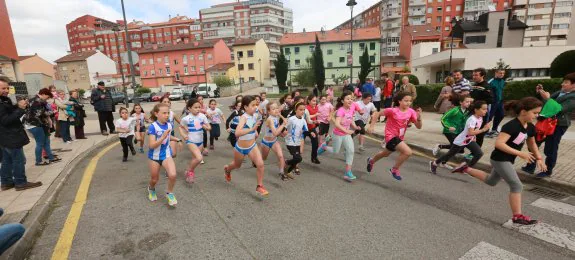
(79, 70)
(474, 8)
(35, 64)
(335, 45)
(180, 63)
(393, 18)
(252, 58)
(368, 18)
(416, 12)
(491, 30)
(228, 69)
(410, 36)
(550, 21)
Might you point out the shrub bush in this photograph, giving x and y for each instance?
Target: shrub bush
(563, 64)
(413, 80)
(427, 94)
(143, 90)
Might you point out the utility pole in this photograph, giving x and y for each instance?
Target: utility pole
(129, 48)
(116, 30)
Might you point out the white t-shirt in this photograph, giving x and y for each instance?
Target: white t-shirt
(463, 138)
(129, 123)
(263, 106)
(216, 115)
(367, 109)
(194, 124)
(295, 129)
(377, 96)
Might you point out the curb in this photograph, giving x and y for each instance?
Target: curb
(530, 179)
(33, 220)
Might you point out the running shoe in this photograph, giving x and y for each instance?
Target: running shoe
(542, 175)
(461, 168)
(289, 175)
(468, 156)
(227, 174)
(134, 152)
(528, 170)
(446, 166)
(172, 201)
(395, 173)
(205, 152)
(361, 148)
(432, 167)
(152, 195)
(190, 176)
(141, 150)
(202, 162)
(322, 148)
(261, 190)
(523, 220)
(212, 147)
(348, 176)
(369, 164)
(435, 150)
(327, 139)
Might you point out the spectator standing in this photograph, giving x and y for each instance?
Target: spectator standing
(80, 115)
(104, 105)
(377, 97)
(263, 104)
(566, 98)
(481, 91)
(388, 89)
(408, 87)
(54, 109)
(14, 137)
(443, 103)
(496, 113)
(65, 116)
(368, 87)
(462, 85)
(329, 93)
(39, 123)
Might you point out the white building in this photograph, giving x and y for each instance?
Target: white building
(550, 21)
(79, 70)
(421, 50)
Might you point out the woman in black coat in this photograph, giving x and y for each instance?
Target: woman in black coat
(80, 115)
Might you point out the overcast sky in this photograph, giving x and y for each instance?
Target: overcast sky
(39, 26)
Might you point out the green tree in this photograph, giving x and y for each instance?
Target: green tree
(366, 67)
(143, 90)
(499, 65)
(223, 81)
(317, 66)
(340, 78)
(563, 64)
(413, 79)
(282, 67)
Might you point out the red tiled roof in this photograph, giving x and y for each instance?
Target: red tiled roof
(76, 56)
(221, 66)
(243, 41)
(179, 46)
(422, 31)
(330, 36)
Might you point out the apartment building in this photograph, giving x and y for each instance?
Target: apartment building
(367, 18)
(474, 8)
(491, 30)
(79, 70)
(550, 21)
(252, 58)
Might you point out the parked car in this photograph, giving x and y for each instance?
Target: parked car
(144, 97)
(158, 96)
(118, 97)
(130, 98)
(208, 90)
(176, 94)
(186, 94)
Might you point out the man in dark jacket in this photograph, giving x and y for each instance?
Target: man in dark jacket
(104, 105)
(496, 113)
(481, 91)
(12, 141)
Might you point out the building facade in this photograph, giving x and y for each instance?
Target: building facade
(298, 47)
(474, 8)
(368, 18)
(181, 63)
(79, 70)
(36, 64)
(228, 70)
(491, 30)
(252, 59)
(36, 81)
(550, 21)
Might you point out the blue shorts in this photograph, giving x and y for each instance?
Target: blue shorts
(245, 151)
(197, 144)
(269, 143)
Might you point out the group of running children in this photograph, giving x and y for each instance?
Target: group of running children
(295, 117)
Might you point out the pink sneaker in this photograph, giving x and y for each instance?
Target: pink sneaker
(395, 173)
(190, 175)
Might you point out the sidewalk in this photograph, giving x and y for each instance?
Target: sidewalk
(430, 134)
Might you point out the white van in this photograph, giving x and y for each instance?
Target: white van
(176, 94)
(208, 90)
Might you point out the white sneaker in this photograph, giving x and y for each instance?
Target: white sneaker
(435, 150)
(202, 162)
(68, 142)
(446, 166)
(361, 148)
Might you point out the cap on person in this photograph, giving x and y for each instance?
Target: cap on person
(101, 83)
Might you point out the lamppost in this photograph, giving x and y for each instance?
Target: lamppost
(351, 4)
(453, 23)
(128, 43)
(115, 29)
(289, 70)
(260, 64)
(375, 65)
(205, 70)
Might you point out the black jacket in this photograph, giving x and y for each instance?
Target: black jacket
(482, 91)
(102, 105)
(12, 130)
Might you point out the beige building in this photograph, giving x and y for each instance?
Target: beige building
(252, 59)
(79, 70)
(36, 64)
(550, 21)
(497, 29)
(223, 69)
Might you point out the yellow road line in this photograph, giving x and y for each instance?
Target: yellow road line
(62, 249)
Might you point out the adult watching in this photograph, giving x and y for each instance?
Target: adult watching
(104, 105)
(39, 124)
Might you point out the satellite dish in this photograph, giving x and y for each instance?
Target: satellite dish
(125, 60)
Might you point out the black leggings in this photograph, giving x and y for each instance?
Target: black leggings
(214, 133)
(450, 137)
(473, 147)
(296, 157)
(205, 139)
(127, 142)
(314, 142)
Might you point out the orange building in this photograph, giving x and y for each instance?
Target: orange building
(7, 44)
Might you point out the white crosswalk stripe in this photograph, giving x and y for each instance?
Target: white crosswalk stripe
(560, 207)
(484, 250)
(554, 235)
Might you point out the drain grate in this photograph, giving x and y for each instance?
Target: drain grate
(548, 193)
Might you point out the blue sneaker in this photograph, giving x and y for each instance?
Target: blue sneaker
(322, 149)
(528, 170)
(542, 175)
(348, 176)
(141, 150)
(369, 164)
(171, 199)
(395, 173)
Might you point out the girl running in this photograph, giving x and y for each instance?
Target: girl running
(246, 144)
(466, 139)
(453, 121)
(296, 129)
(272, 129)
(508, 146)
(203, 110)
(160, 153)
(324, 111)
(172, 119)
(192, 129)
(232, 123)
(215, 116)
(125, 126)
(397, 120)
(362, 119)
(141, 119)
(311, 113)
(344, 128)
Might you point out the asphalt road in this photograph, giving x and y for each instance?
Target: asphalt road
(316, 216)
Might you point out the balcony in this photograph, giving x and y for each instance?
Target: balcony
(416, 2)
(558, 42)
(559, 31)
(535, 33)
(536, 11)
(519, 2)
(416, 13)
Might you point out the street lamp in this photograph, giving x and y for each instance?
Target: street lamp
(116, 30)
(453, 23)
(260, 64)
(351, 4)
(205, 70)
(128, 43)
(289, 70)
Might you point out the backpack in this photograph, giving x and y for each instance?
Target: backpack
(544, 128)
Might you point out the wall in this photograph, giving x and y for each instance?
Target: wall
(11, 70)
(75, 74)
(7, 44)
(260, 69)
(511, 38)
(37, 64)
(37, 81)
(101, 64)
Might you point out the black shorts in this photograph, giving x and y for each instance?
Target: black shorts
(215, 131)
(393, 143)
(233, 139)
(361, 125)
(142, 129)
(323, 128)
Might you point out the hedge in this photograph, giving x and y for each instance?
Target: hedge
(427, 94)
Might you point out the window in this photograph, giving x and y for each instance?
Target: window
(372, 59)
(159, 60)
(175, 62)
(297, 63)
(446, 28)
(185, 59)
(329, 52)
(250, 66)
(193, 68)
(158, 35)
(296, 50)
(458, 8)
(311, 48)
(177, 76)
(240, 54)
(561, 26)
(448, 18)
(341, 59)
(145, 73)
(330, 64)
(168, 71)
(167, 34)
(143, 62)
(372, 46)
(430, 10)
(361, 45)
(186, 70)
(475, 39)
(166, 59)
(287, 51)
(201, 57)
(210, 56)
(439, 19)
(160, 72)
(500, 33)
(434, 50)
(240, 66)
(145, 35)
(251, 78)
(201, 68)
(428, 20)
(342, 46)
(448, 8)
(250, 54)
(191, 56)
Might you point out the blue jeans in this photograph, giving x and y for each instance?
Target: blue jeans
(9, 235)
(551, 149)
(65, 130)
(13, 169)
(42, 143)
(497, 113)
